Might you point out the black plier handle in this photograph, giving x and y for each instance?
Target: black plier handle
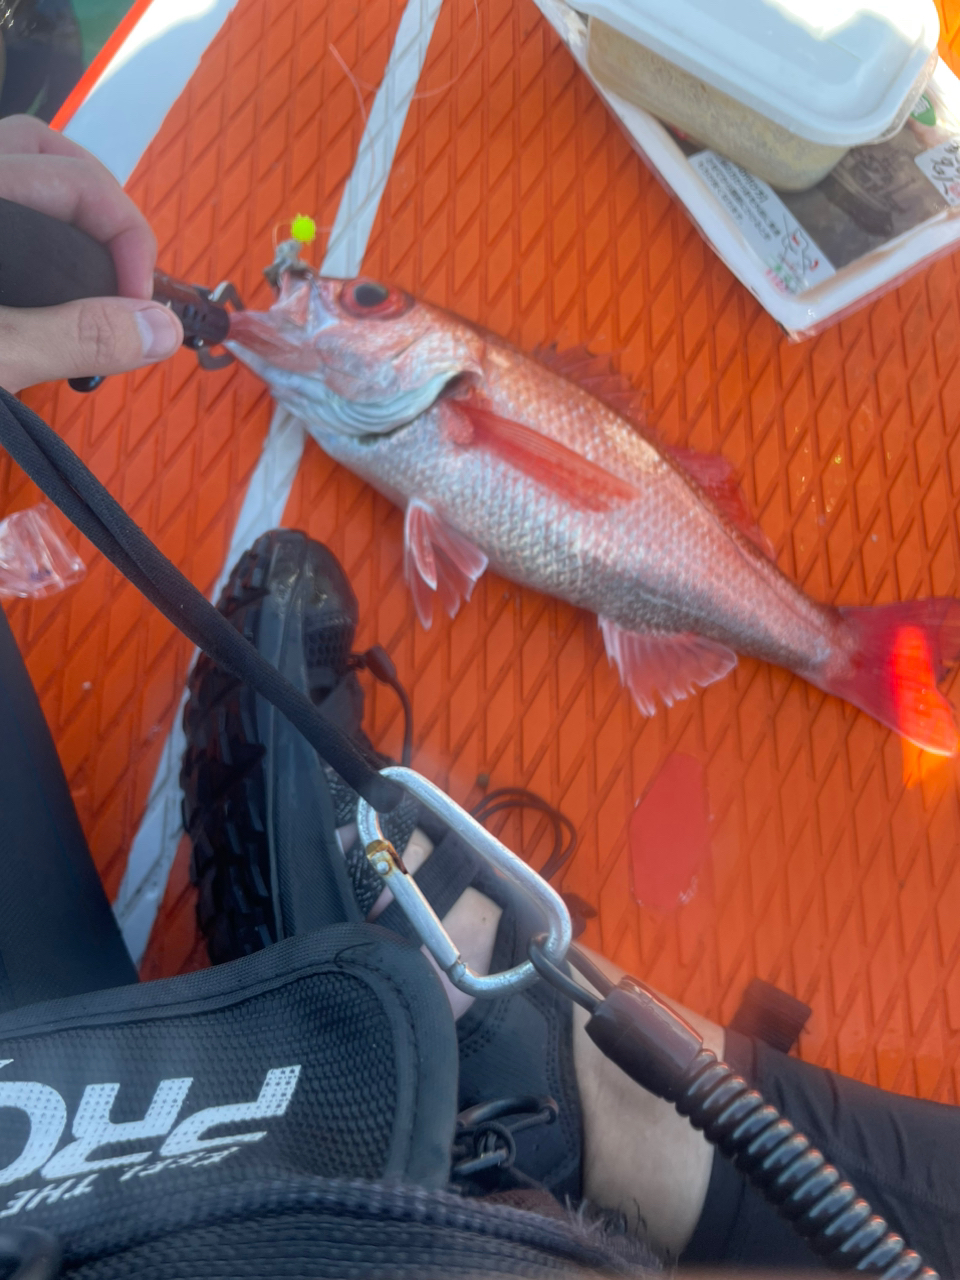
(44, 262)
(203, 313)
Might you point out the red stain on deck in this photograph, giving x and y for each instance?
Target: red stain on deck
(670, 835)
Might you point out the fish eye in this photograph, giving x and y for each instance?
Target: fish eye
(362, 298)
(370, 295)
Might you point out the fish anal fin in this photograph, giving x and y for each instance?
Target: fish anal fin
(671, 664)
(437, 560)
(576, 479)
(718, 480)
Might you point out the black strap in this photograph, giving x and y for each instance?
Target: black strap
(52, 464)
(451, 868)
(770, 1014)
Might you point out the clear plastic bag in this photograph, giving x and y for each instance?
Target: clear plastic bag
(35, 561)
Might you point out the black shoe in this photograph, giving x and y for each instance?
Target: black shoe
(260, 808)
(263, 813)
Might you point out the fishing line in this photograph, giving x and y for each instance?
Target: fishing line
(353, 80)
(359, 84)
(432, 93)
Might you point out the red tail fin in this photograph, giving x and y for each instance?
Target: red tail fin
(903, 652)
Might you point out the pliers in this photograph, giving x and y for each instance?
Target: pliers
(203, 313)
(44, 261)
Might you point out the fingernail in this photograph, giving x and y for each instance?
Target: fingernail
(158, 332)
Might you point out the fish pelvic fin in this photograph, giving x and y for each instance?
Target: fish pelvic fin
(902, 652)
(437, 561)
(671, 664)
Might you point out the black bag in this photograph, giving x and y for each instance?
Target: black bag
(288, 1114)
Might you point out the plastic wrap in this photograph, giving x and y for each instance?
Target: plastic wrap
(35, 561)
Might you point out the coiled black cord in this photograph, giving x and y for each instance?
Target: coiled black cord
(792, 1174)
(663, 1053)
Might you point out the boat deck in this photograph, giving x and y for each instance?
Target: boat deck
(513, 198)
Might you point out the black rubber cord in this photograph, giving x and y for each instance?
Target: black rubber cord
(793, 1175)
(564, 832)
(66, 481)
(589, 970)
(656, 1047)
(561, 981)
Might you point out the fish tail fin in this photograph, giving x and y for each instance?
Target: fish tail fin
(902, 652)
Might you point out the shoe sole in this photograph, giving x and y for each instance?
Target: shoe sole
(256, 804)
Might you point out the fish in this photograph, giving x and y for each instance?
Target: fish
(540, 468)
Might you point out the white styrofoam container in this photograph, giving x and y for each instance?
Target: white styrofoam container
(809, 78)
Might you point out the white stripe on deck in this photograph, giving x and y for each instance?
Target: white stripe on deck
(124, 110)
(155, 844)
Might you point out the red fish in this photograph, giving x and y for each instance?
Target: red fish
(527, 464)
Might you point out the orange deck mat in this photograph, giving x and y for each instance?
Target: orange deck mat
(514, 199)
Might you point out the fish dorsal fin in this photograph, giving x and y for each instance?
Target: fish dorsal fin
(571, 476)
(712, 472)
(596, 375)
(671, 664)
(717, 478)
(437, 560)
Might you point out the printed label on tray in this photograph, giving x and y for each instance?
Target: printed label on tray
(941, 165)
(793, 260)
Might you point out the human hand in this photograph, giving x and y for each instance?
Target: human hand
(43, 170)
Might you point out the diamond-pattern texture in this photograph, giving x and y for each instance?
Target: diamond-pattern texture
(515, 199)
(268, 488)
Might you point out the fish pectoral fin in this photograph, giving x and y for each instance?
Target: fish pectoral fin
(437, 560)
(673, 664)
(563, 471)
(718, 480)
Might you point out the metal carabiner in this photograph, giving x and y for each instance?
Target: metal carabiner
(417, 909)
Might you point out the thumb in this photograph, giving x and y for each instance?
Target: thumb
(90, 337)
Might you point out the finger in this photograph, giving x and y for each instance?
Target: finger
(134, 253)
(26, 135)
(91, 337)
(79, 191)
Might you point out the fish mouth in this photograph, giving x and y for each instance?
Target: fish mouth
(366, 421)
(340, 382)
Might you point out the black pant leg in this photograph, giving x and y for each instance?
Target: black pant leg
(58, 935)
(899, 1153)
